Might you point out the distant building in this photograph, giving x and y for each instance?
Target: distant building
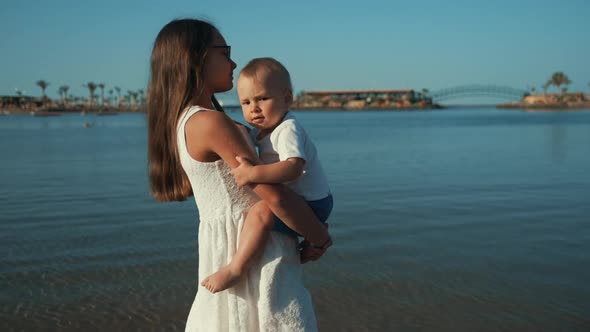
(357, 99)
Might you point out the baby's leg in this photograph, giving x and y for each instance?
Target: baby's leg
(257, 226)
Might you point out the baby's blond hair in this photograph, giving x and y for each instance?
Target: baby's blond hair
(274, 66)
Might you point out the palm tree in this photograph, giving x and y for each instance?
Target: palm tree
(118, 89)
(558, 79)
(63, 92)
(141, 96)
(43, 85)
(101, 87)
(133, 95)
(110, 95)
(91, 87)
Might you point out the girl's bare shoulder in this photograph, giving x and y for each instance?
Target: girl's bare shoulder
(205, 122)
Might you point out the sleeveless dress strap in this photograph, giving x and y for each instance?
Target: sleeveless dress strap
(188, 113)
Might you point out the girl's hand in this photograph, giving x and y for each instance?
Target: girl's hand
(242, 172)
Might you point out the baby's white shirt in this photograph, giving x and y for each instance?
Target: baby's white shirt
(289, 140)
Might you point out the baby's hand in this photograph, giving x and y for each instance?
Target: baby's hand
(306, 253)
(242, 173)
(309, 252)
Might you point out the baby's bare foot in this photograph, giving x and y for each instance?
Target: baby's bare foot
(221, 280)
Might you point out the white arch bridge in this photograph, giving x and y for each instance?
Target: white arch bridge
(477, 90)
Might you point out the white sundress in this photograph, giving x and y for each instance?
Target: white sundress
(271, 296)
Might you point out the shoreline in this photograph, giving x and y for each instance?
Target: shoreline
(369, 108)
(41, 112)
(547, 107)
(62, 111)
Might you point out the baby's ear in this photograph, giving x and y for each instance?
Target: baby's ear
(289, 97)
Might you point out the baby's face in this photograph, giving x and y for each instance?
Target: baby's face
(264, 103)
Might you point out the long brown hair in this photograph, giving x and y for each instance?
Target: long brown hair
(177, 63)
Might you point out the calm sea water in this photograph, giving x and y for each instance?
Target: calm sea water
(467, 219)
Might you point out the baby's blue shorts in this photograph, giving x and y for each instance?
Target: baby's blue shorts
(322, 209)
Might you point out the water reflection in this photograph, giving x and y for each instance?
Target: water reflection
(557, 134)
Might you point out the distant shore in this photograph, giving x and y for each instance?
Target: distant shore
(410, 107)
(552, 102)
(53, 111)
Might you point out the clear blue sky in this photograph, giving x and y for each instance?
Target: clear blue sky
(325, 44)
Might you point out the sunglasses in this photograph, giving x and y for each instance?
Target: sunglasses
(227, 47)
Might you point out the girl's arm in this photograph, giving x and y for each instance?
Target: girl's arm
(212, 135)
